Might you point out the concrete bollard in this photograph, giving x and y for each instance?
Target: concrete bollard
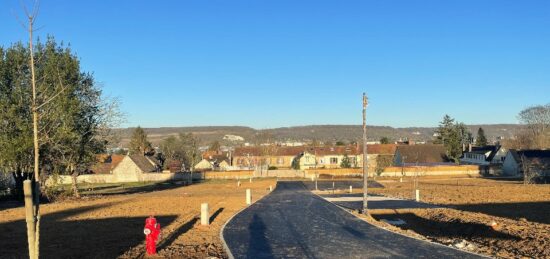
(417, 195)
(350, 189)
(401, 179)
(270, 188)
(205, 217)
(248, 197)
(238, 183)
(250, 179)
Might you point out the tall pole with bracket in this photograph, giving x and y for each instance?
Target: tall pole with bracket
(365, 164)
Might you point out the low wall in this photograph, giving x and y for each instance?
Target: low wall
(244, 174)
(281, 173)
(334, 172)
(432, 170)
(110, 178)
(396, 171)
(308, 173)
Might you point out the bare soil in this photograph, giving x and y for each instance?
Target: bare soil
(111, 226)
(499, 218)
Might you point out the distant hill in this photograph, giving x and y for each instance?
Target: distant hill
(324, 133)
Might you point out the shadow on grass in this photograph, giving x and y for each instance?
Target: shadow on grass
(64, 235)
(435, 228)
(531, 211)
(129, 189)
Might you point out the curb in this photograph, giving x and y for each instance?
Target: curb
(224, 243)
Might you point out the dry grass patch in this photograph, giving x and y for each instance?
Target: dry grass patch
(112, 226)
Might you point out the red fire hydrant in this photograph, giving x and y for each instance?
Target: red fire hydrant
(152, 233)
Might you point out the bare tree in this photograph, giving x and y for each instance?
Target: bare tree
(537, 121)
(528, 173)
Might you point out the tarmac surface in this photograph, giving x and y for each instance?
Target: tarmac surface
(292, 222)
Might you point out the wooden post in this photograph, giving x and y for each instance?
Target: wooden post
(350, 189)
(29, 207)
(250, 179)
(270, 188)
(238, 183)
(248, 197)
(417, 192)
(205, 217)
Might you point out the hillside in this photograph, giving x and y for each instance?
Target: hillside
(324, 133)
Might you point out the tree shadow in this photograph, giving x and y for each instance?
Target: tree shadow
(258, 245)
(215, 214)
(354, 232)
(121, 189)
(531, 211)
(169, 240)
(454, 229)
(62, 236)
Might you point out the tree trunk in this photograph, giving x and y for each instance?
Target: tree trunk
(19, 177)
(74, 176)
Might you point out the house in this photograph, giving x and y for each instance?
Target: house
(132, 167)
(486, 155)
(410, 155)
(272, 155)
(213, 162)
(538, 161)
(332, 156)
(105, 164)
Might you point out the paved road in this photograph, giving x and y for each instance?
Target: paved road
(291, 222)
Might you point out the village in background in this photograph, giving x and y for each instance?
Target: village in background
(452, 150)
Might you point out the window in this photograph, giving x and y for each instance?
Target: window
(334, 160)
(280, 161)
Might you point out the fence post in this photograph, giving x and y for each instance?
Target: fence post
(205, 218)
(248, 197)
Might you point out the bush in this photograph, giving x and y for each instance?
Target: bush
(272, 168)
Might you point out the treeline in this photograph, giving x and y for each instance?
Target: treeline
(74, 118)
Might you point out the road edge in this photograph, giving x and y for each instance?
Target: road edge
(225, 246)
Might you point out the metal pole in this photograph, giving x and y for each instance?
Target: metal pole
(365, 169)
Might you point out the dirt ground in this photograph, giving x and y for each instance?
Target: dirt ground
(111, 226)
(500, 218)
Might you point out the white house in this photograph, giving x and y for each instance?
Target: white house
(485, 155)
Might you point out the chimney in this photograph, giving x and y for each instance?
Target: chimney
(470, 147)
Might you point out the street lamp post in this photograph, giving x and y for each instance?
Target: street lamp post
(365, 171)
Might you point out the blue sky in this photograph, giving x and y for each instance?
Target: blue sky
(283, 63)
